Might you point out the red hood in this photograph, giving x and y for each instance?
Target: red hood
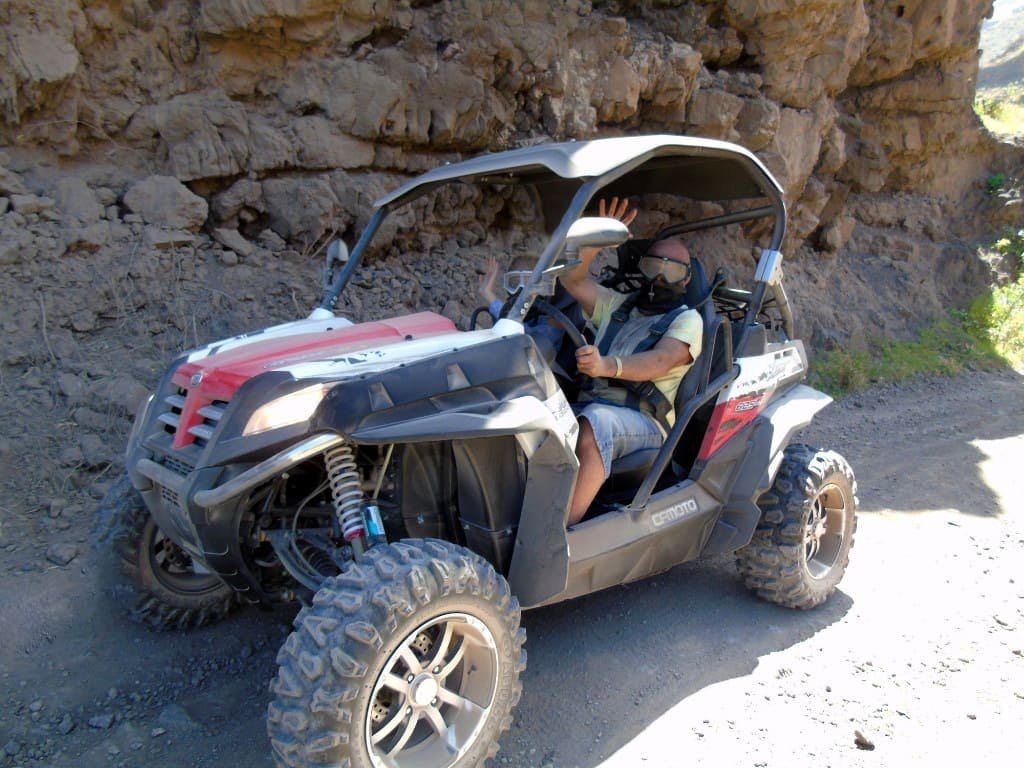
(219, 374)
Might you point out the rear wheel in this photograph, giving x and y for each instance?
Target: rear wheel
(801, 547)
(410, 659)
(172, 592)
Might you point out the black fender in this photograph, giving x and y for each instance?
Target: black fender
(742, 478)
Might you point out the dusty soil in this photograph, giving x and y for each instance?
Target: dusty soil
(919, 651)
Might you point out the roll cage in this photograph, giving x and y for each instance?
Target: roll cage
(567, 176)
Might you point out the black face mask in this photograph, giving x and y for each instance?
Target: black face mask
(656, 297)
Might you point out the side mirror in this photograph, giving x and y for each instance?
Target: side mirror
(337, 253)
(595, 232)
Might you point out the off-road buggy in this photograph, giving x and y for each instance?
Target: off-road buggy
(409, 482)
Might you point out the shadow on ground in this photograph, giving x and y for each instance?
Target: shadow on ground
(603, 667)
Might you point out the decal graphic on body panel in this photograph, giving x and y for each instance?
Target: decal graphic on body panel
(564, 416)
(757, 373)
(354, 358)
(389, 355)
(748, 395)
(673, 513)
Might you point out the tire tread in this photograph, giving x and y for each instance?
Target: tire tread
(772, 563)
(310, 721)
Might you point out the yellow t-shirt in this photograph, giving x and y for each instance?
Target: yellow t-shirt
(686, 327)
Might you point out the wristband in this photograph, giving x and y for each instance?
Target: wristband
(618, 367)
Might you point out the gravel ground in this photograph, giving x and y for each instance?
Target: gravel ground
(916, 658)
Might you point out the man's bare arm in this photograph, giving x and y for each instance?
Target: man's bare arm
(578, 282)
(667, 354)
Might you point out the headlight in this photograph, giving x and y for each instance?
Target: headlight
(286, 410)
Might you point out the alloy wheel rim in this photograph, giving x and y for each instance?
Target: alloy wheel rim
(825, 531)
(433, 695)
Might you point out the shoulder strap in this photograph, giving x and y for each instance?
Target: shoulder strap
(618, 319)
(658, 329)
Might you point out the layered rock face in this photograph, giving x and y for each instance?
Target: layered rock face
(286, 118)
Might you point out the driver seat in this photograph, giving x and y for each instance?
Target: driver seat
(629, 471)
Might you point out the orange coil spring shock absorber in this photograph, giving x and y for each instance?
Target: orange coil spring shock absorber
(346, 492)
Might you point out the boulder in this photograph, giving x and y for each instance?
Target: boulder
(302, 20)
(75, 198)
(11, 183)
(757, 123)
(668, 93)
(88, 238)
(303, 209)
(71, 387)
(17, 245)
(713, 113)
(244, 193)
(269, 148)
(619, 91)
(793, 153)
(207, 135)
(62, 553)
(39, 59)
(95, 452)
(166, 202)
(122, 392)
(319, 146)
(28, 204)
(837, 233)
(807, 49)
(272, 241)
(165, 239)
(231, 238)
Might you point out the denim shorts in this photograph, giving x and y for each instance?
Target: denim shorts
(620, 431)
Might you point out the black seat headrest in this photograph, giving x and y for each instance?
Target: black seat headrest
(698, 287)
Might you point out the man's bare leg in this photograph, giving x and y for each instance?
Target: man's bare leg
(591, 476)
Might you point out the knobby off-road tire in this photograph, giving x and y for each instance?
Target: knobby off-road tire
(410, 659)
(801, 547)
(171, 595)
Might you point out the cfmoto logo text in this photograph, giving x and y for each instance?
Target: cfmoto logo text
(673, 513)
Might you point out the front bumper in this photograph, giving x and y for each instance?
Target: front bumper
(182, 503)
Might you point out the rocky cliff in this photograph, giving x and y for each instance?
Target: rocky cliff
(171, 168)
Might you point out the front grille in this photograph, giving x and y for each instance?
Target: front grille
(211, 414)
(174, 408)
(177, 466)
(171, 418)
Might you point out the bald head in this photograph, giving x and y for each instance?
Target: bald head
(670, 248)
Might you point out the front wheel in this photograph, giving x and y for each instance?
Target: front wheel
(410, 659)
(801, 547)
(172, 593)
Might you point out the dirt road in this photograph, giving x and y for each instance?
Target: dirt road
(919, 652)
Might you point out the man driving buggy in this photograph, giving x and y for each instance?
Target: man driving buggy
(646, 342)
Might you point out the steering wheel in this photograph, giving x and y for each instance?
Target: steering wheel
(559, 318)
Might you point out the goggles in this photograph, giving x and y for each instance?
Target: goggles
(515, 279)
(671, 271)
